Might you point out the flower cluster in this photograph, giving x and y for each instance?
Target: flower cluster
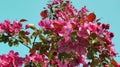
(78, 32)
(10, 29)
(11, 59)
(36, 59)
(67, 38)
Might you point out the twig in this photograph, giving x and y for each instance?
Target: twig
(27, 46)
(34, 40)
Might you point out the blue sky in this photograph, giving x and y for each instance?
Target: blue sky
(109, 10)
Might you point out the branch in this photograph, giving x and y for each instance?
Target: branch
(27, 46)
(34, 40)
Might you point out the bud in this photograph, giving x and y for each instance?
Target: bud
(27, 32)
(111, 34)
(107, 26)
(32, 26)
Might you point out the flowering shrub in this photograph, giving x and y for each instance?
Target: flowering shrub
(67, 38)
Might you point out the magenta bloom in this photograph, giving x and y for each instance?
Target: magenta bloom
(66, 32)
(91, 27)
(17, 26)
(82, 32)
(64, 46)
(81, 59)
(11, 60)
(34, 58)
(57, 1)
(10, 29)
(84, 10)
(46, 24)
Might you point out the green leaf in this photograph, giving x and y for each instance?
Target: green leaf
(93, 35)
(48, 32)
(24, 39)
(5, 39)
(27, 39)
(43, 49)
(111, 65)
(42, 38)
(95, 62)
(34, 34)
(65, 55)
(22, 33)
(90, 54)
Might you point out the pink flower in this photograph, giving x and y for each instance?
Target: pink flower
(70, 9)
(10, 60)
(66, 32)
(45, 63)
(112, 52)
(91, 27)
(64, 29)
(46, 24)
(1, 30)
(82, 32)
(80, 46)
(81, 59)
(63, 15)
(34, 57)
(57, 1)
(64, 46)
(10, 29)
(6, 25)
(17, 26)
(84, 10)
